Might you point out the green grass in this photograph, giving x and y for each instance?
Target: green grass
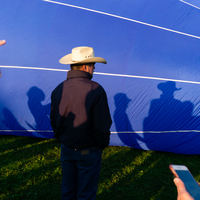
(30, 169)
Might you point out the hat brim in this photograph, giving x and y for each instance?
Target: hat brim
(165, 86)
(68, 60)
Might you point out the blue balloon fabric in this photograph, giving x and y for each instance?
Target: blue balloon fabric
(151, 79)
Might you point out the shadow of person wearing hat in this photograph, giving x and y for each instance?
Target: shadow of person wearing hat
(165, 112)
(169, 116)
(164, 115)
(122, 123)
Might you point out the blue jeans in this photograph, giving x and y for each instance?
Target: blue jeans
(80, 173)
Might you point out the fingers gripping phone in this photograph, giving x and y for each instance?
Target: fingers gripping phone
(182, 172)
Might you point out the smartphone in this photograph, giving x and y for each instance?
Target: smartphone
(182, 172)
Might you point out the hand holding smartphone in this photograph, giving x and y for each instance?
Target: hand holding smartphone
(182, 172)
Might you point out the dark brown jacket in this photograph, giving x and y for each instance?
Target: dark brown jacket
(80, 116)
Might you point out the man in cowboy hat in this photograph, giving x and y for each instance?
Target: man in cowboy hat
(81, 120)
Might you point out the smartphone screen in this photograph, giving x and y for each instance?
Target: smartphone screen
(184, 174)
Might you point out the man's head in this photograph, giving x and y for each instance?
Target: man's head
(88, 67)
(81, 55)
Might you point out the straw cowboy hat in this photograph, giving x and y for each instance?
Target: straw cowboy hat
(81, 55)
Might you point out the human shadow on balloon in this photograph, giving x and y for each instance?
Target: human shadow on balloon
(122, 123)
(167, 116)
(40, 112)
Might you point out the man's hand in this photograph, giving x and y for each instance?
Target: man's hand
(183, 194)
(2, 42)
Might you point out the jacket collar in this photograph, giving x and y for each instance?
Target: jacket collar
(78, 74)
